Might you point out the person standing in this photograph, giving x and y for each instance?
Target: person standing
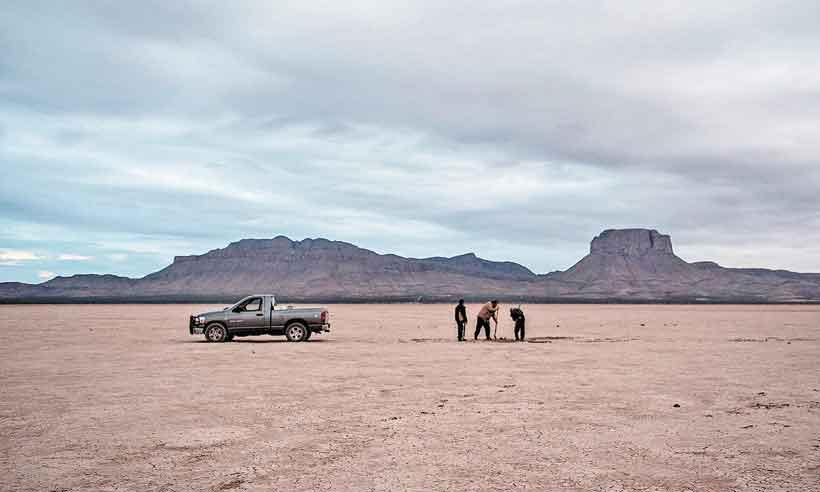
(488, 311)
(461, 319)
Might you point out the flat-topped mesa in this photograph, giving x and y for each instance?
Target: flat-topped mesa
(631, 242)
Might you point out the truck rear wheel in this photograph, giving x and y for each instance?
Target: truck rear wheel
(296, 332)
(216, 333)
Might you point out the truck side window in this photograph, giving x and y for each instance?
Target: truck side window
(254, 304)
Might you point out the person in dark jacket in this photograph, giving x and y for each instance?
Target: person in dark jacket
(517, 316)
(461, 319)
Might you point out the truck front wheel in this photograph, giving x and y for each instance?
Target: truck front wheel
(296, 332)
(216, 333)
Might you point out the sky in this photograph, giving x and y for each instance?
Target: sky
(131, 132)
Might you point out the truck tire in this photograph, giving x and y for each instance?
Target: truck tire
(296, 332)
(215, 332)
(309, 333)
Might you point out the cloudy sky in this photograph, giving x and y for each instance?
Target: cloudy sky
(134, 131)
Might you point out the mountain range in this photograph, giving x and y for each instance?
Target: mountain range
(623, 265)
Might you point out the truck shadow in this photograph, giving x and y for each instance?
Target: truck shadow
(256, 340)
(252, 341)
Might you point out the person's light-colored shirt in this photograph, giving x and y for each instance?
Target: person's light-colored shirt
(488, 311)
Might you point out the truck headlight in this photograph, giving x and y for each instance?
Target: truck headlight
(200, 320)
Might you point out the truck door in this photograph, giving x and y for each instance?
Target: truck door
(249, 317)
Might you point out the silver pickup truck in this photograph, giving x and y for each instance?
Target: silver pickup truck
(259, 315)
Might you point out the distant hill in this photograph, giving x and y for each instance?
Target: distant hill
(641, 264)
(628, 265)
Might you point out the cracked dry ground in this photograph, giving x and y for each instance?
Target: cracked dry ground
(119, 397)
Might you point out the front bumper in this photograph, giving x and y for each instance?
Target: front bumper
(194, 327)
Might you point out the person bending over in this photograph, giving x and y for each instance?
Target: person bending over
(517, 316)
(488, 311)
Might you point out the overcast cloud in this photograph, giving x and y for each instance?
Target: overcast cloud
(131, 132)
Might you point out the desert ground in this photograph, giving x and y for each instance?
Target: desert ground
(608, 398)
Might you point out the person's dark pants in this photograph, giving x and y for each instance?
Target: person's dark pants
(461, 326)
(479, 322)
(519, 331)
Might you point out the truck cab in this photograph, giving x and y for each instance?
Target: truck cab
(259, 315)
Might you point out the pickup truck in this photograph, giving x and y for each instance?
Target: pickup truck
(259, 315)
